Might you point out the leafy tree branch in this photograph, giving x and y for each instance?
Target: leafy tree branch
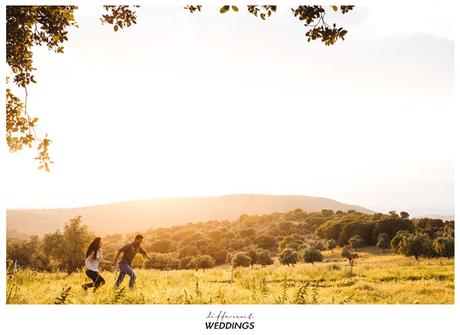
(30, 26)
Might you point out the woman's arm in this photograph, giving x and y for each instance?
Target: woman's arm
(103, 261)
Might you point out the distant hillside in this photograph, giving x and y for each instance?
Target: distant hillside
(153, 213)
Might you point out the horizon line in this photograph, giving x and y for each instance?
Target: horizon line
(186, 197)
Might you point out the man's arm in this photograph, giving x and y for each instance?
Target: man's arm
(116, 257)
(123, 249)
(142, 251)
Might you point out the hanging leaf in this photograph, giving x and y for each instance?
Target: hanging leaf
(235, 9)
(224, 9)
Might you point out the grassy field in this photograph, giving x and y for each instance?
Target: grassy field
(376, 279)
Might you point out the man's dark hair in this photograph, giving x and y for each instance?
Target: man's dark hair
(139, 237)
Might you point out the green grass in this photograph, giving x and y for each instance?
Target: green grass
(377, 279)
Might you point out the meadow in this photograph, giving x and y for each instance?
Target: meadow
(377, 278)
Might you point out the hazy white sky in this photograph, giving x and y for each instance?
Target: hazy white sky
(211, 104)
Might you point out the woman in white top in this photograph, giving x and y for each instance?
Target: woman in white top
(92, 262)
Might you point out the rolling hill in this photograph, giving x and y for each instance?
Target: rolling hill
(142, 215)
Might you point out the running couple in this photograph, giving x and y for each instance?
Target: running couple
(94, 259)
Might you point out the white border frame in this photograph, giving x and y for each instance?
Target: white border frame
(269, 319)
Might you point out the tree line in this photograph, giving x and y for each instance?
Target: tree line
(293, 237)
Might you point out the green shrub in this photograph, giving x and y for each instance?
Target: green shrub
(444, 246)
(382, 241)
(264, 257)
(331, 244)
(417, 245)
(311, 255)
(241, 259)
(356, 241)
(203, 262)
(288, 257)
(350, 255)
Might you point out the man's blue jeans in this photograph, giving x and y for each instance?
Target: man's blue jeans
(125, 269)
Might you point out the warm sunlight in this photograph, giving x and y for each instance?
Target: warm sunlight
(186, 105)
(230, 157)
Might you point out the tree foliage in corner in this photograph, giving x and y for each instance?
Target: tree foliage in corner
(28, 27)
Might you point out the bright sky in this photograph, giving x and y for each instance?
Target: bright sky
(211, 104)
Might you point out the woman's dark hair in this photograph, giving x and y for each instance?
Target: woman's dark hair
(93, 248)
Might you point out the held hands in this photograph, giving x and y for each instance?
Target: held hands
(109, 263)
